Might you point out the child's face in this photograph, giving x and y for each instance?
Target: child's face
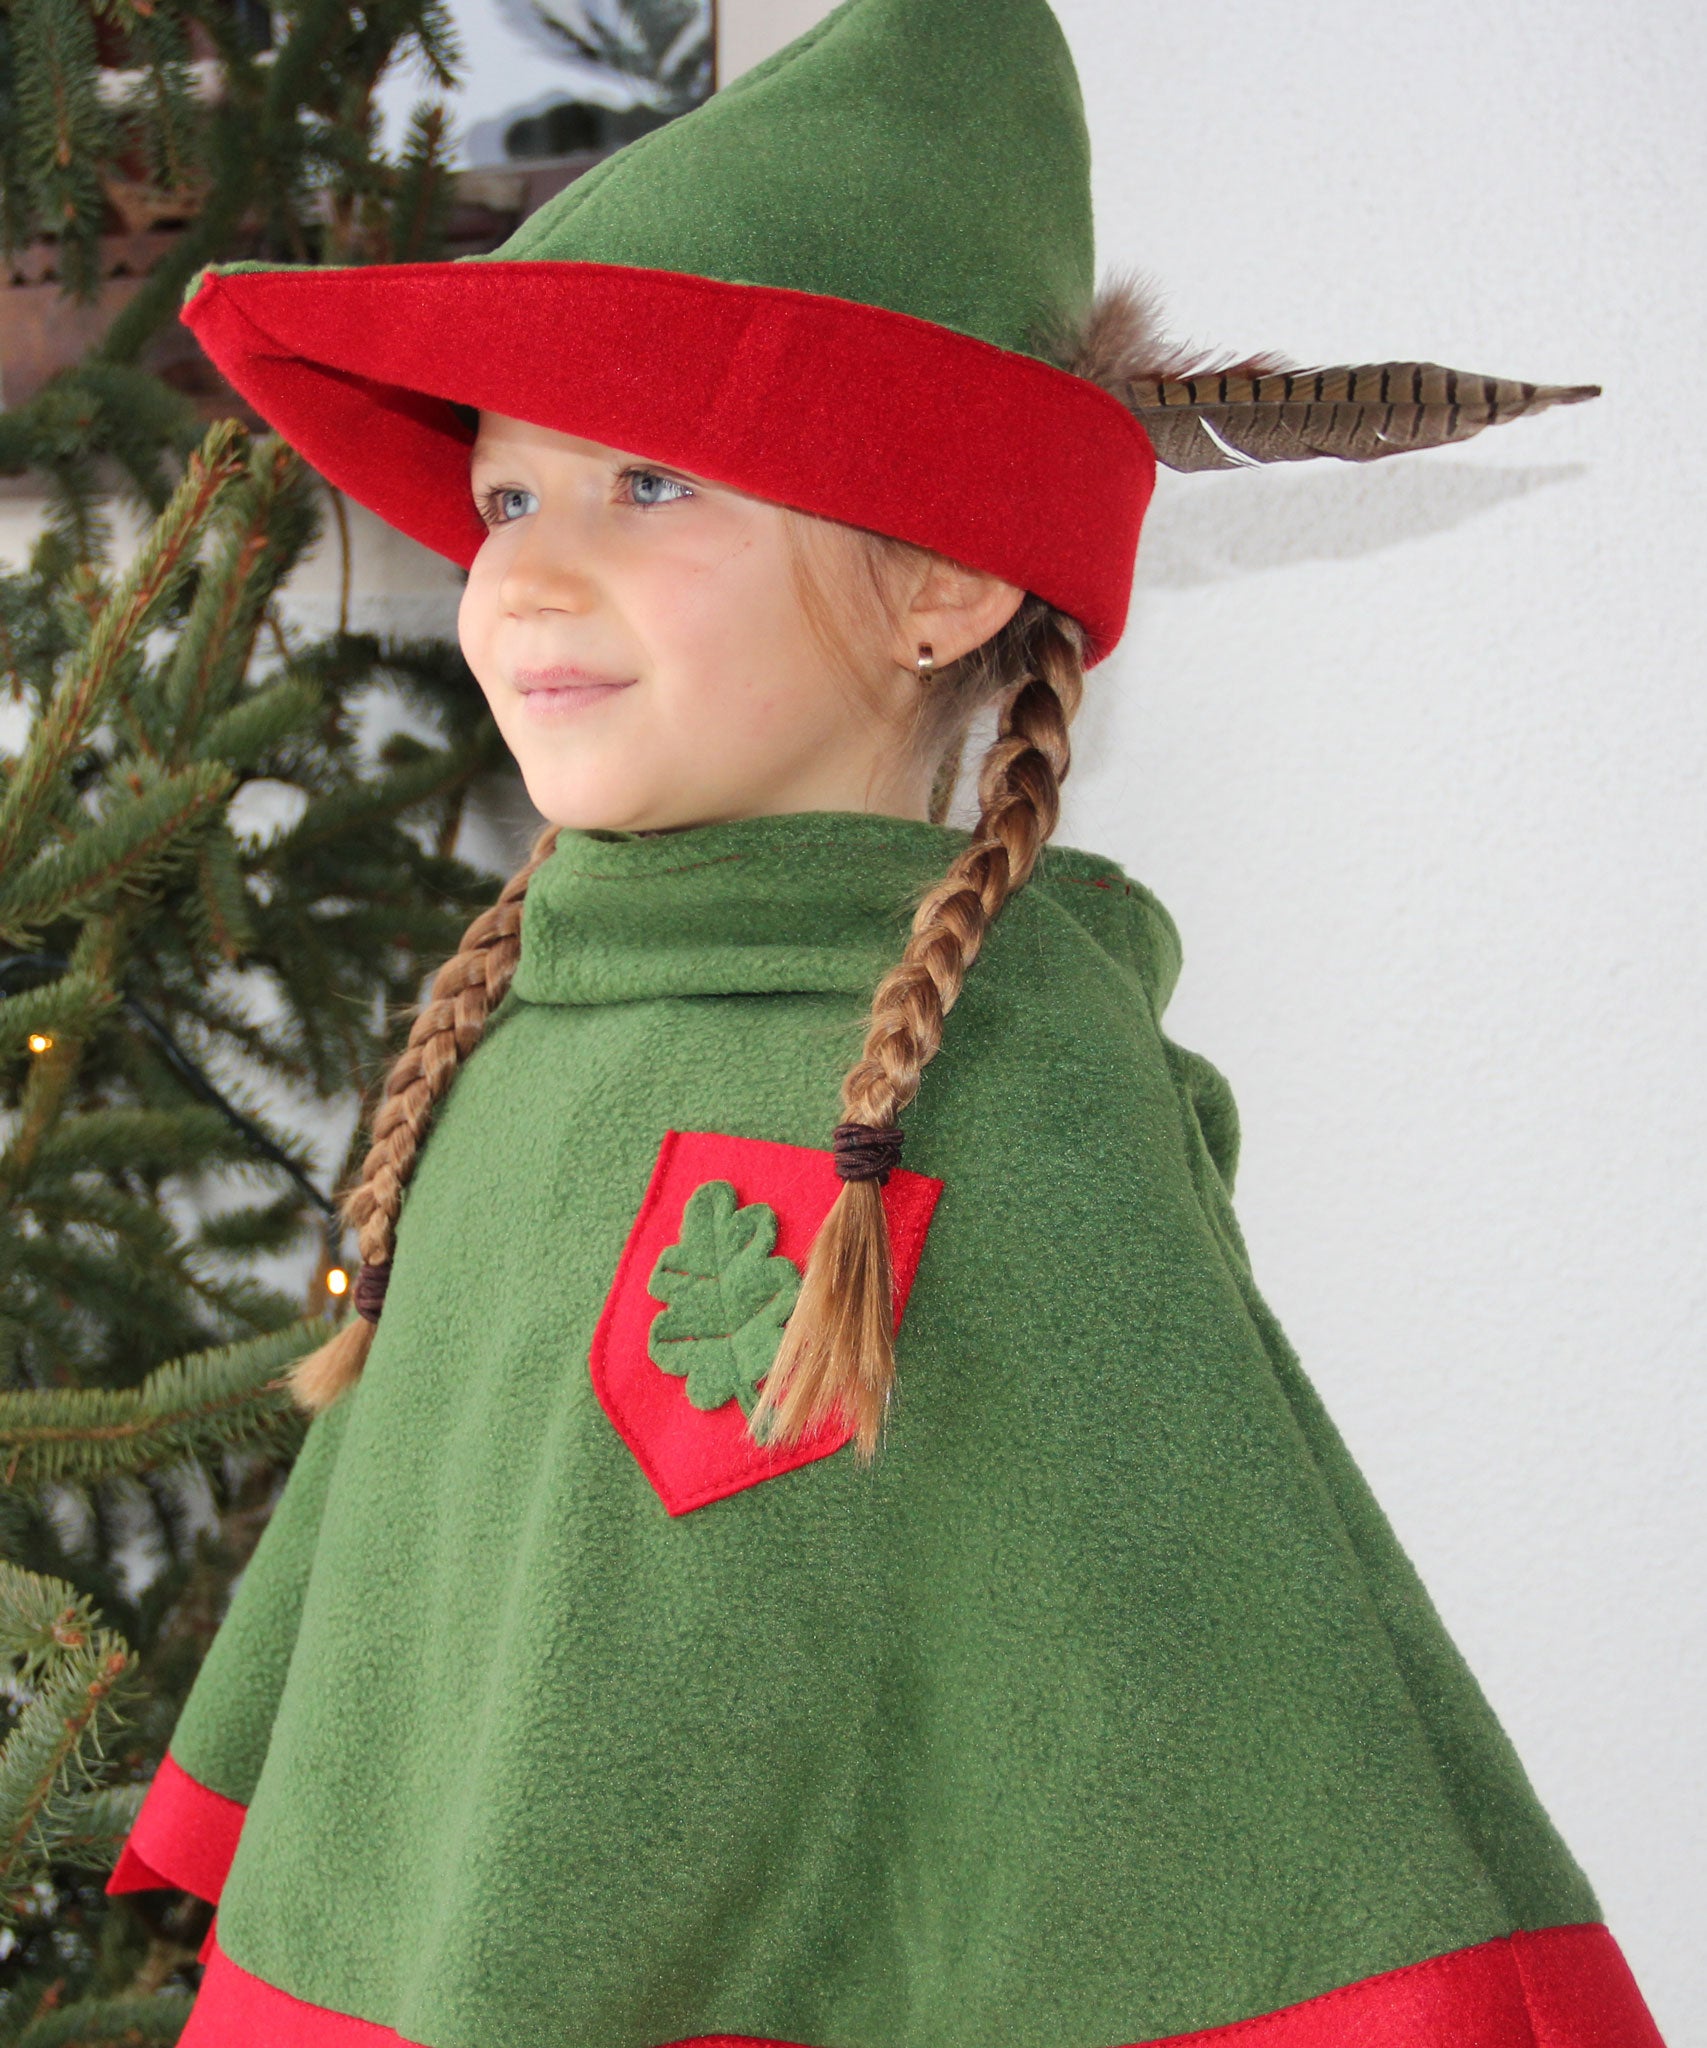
(698, 691)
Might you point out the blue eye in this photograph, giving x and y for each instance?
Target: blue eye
(646, 488)
(639, 480)
(490, 502)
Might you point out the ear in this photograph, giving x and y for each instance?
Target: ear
(953, 609)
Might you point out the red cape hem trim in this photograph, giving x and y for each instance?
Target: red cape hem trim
(1561, 1987)
(184, 1836)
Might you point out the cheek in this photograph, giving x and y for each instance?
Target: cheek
(475, 617)
(728, 634)
(477, 630)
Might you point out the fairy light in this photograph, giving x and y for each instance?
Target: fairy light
(26, 970)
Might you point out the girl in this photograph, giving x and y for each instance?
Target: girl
(739, 1587)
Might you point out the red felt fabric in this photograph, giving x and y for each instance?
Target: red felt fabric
(695, 1455)
(185, 1836)
(1581, 1993)
(854, 412)
(1566, 1987)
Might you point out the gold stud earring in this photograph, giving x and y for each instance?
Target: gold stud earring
(926, 662)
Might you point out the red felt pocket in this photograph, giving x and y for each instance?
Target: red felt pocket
(693, 1455)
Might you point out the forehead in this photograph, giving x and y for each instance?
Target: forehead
(495, 431)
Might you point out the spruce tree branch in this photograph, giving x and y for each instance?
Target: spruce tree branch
(89, 990)
(346, 555)
(259, 1042)
(275, 626)
(437, 772)
(212, 648)
(87, 1829)
(194, 1407)
(248, 140)
(199, 1085)
(120, 625)
(138, 2022)
(240, 153)
(45, 1748)
(136, 838)
(96, 958)
(39, 1618)
(73, 1003)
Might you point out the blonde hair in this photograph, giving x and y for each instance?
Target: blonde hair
(837, 1354)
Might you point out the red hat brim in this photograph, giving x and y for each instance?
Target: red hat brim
(876, 418)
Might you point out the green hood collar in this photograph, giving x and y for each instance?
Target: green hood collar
(810, 902)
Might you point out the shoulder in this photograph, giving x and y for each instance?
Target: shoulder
(1081, 916)
(1063, 1002)
(1060, 1021)
(1129, 923)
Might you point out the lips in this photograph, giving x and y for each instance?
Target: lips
(565, 677)
(551, 695)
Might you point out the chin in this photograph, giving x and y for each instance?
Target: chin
(580, 805)
(579, 813)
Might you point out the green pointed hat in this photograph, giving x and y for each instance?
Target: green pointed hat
(859, 280)
(834, 285)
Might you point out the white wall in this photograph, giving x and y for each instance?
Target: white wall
(750, 29)
(1416, 753)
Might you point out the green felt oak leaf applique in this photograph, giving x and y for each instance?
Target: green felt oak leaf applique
(728, 1297)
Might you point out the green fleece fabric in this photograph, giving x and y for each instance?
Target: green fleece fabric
(227, 1720)
(930, 156)
(1105, 1705)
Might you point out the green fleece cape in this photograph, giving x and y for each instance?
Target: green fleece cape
(1103, 1706)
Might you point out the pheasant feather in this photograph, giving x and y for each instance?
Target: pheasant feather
(1263, 409)
(1283, 413)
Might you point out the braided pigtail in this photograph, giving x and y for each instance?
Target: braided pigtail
(837, 1352)
(449, 1025)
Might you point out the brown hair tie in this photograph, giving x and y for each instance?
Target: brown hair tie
(370, 1289)
(867, 1151)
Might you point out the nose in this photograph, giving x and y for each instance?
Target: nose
(548, 568)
